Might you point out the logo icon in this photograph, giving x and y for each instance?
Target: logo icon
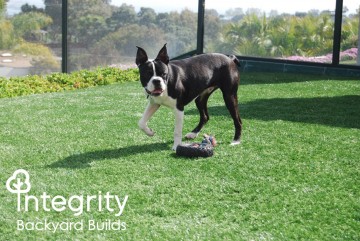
(19, 183)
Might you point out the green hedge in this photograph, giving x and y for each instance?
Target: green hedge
(35, 84)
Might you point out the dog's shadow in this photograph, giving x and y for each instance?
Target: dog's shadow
(334, 111)
(83, 160)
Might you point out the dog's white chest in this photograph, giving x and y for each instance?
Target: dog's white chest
(164, 99)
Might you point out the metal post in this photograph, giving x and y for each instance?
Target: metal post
(200, 28)
(64, 29)
(337, 32)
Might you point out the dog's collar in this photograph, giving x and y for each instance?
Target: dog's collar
(148, 93)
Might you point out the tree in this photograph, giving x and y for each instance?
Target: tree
(212, 30)
(235, 14)
(17, 31)
(279, 35)
(27, 25)
(87, 21)
(43, 60)
(3, 5)
(90, 28)
(123, 16)
(26, 8)
(273, 14)
(53, 9)
(147, 16)
(123, 41)
(7, 36)
(117, 46)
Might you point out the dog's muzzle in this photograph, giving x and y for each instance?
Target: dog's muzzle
(155, 92)
(158, 85)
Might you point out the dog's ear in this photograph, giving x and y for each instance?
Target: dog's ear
(163, 55)
(141, 56)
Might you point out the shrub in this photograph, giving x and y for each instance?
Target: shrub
(35, 84)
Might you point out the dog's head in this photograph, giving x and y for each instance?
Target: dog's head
(153, 73)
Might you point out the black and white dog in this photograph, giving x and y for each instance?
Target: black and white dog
(176, 83)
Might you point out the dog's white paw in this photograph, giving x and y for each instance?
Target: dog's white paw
(143, 126)
(234, 143)
(191, 135)
(149, 132)
(174, 147)
(176, 144)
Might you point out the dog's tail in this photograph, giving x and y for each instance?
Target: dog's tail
(235, 59)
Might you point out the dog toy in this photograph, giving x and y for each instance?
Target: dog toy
(203, 149)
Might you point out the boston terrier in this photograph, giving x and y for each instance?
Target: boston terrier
(176, 83)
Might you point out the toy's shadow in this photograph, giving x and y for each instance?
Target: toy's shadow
(83, 160)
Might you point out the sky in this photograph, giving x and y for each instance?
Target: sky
(220, 5)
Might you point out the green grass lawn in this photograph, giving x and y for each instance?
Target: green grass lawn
(296, 175)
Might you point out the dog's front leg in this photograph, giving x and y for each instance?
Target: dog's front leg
(179, 120)
(149, 111)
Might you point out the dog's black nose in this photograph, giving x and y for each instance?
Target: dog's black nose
(156, 82)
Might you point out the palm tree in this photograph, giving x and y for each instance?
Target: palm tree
(252, 36)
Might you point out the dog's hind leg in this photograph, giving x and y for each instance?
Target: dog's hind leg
(231, 102)
(201, 104)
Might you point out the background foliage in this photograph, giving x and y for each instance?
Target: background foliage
(35, 84)
(101, 34)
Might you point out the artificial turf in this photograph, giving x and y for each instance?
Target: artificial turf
(296, 175)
